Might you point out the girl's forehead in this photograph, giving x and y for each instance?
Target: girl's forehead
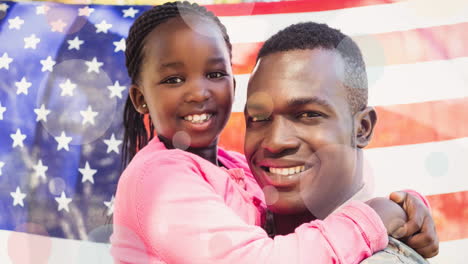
(175, 26)
(177, 38)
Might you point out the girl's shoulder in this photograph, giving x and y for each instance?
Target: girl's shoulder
(232, 159)
(156, 157)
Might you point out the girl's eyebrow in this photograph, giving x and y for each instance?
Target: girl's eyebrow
(174, 65)
(216, 60)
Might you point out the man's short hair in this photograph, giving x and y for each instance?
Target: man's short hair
(312, 35)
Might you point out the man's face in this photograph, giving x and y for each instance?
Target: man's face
(300, 132)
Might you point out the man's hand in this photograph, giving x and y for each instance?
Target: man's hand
(419, 231)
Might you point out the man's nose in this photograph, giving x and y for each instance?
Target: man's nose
(280, 138)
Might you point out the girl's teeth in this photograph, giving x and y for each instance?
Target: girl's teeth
(197, 118)
(287, 171)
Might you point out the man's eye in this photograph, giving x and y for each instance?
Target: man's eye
(215, 75)
(258, 118)
(173, 80)
(309, 114)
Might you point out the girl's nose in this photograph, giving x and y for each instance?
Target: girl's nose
(198, 91)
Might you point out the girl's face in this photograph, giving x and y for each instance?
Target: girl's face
(186, 80)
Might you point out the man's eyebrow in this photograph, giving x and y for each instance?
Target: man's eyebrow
(255, 108)
(300, 101)
(174, 65)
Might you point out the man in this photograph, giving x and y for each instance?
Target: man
(307, 122)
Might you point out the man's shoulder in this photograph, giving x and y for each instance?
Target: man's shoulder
(395, 253)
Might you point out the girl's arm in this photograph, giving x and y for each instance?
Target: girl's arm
(169, 212)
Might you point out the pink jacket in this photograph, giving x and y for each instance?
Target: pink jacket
(172, 206)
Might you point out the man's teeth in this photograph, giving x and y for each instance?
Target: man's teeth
(197, 119)
(287, 171)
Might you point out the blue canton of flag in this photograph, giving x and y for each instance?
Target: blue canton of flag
(62, 90)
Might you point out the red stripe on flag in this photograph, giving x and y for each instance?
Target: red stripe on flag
(283, 7)
(419, 45)
(421, 123)
(402, 47)
(450, 213)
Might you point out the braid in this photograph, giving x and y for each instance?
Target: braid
(136, 135)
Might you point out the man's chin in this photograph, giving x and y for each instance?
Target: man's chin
(286, 207)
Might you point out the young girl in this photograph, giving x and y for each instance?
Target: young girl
(202, 205)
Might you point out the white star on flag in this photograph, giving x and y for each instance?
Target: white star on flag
(23, 86)
(1, 166)
(85, 11)
(75, 43)
(42, 10)
(2, 110)
(119, 45)
(31, 42)
(63, 202)
(18, 138)
(116, 90)
(110, 206)
(15, 23)
(18, 197)
(87, 173)
(88, 115)
(131, 12)
(40, 170)
(58, 25)
(41, 113)
(47, 64)
(103, 27)
(112, 144)
(67, 88)
(63, 141)
(3, 7)
(94, 65)
(5, 61)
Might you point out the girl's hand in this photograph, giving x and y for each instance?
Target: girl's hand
(392, 215)
(419, 231)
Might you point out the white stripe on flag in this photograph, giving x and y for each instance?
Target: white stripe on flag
(352, 21)
(452, 252)
(61, 251)
(430, 168)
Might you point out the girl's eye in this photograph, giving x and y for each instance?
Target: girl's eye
(173, 80)
(310, 115)
(215, 75)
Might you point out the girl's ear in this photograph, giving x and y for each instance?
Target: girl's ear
(138, 99)
(365, 120)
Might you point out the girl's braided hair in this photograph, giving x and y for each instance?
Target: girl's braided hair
(136, 135)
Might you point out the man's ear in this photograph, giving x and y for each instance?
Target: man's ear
(365, 120)
(235, 84)
(138, 99)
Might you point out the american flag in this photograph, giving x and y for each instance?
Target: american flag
(63, 83)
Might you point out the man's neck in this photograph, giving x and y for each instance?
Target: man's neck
(286, 223)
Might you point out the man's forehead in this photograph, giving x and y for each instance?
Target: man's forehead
(296, 76)
(301, 65)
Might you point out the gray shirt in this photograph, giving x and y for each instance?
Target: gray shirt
(395, 253)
